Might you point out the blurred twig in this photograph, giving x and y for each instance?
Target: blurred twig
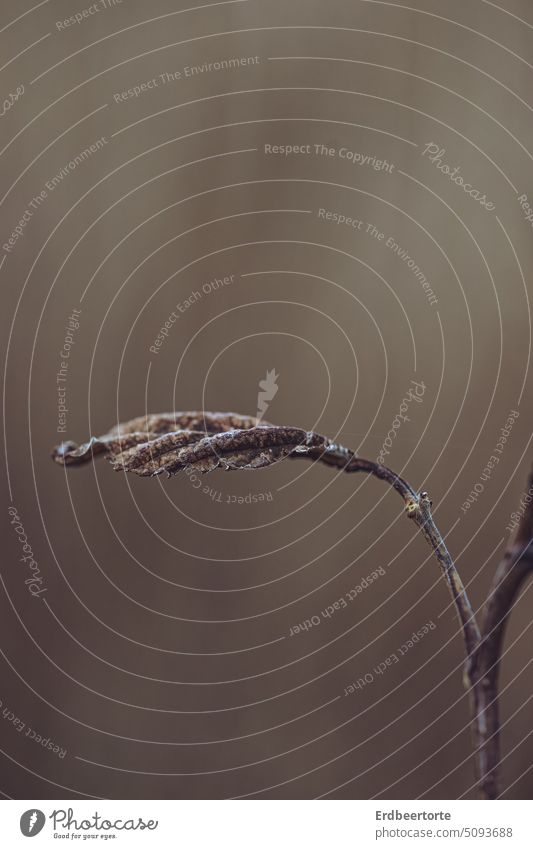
(515, 566)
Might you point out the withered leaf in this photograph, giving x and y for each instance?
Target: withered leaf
(145, 429)
(169, 442)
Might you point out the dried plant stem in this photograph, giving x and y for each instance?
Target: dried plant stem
(170, 442)
(483, 649)
(418, 508)
(515, 567)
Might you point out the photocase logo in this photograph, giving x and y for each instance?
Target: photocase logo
(32, 822)
(268, 388)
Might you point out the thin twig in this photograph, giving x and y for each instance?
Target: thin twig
(418, 508)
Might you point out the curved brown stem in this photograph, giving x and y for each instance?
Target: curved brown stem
(418, 508)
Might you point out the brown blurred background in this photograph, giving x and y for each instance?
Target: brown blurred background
(158, 658)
